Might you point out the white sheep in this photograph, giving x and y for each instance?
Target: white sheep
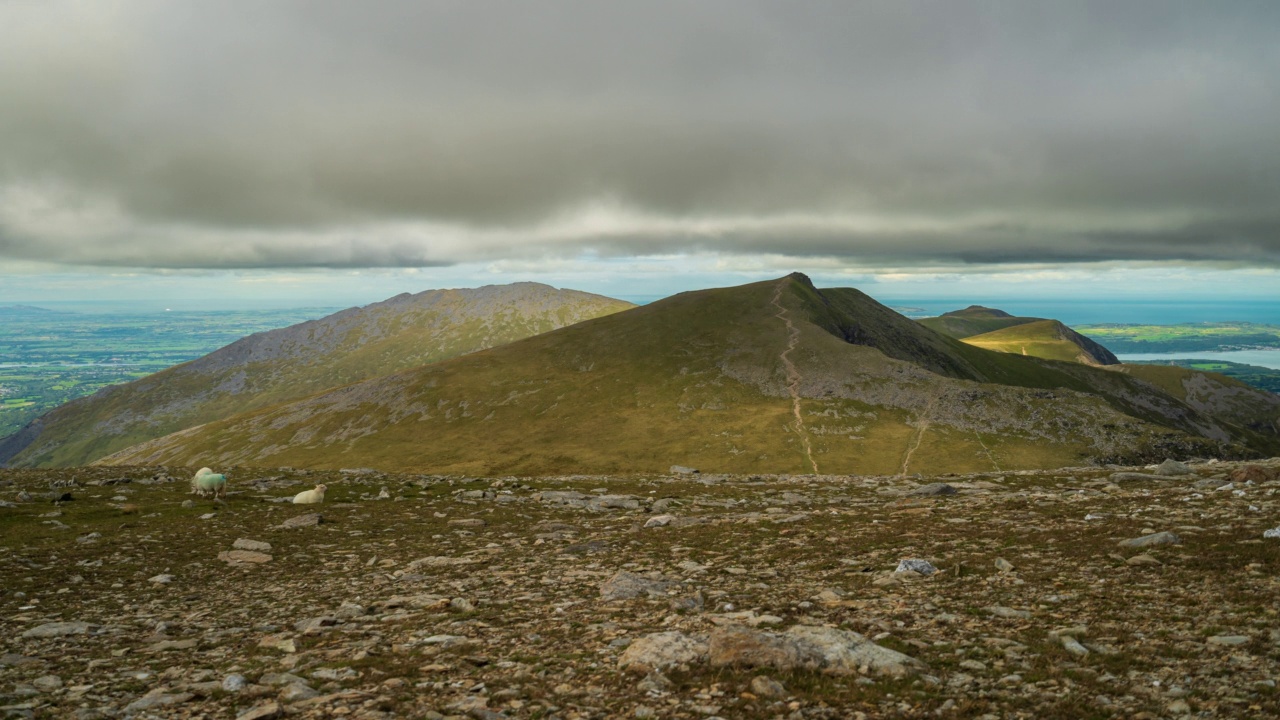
(195, 485)
(213, 482)
(307, 497)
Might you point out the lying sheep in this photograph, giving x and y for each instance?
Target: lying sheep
(195, 490)
(212, 482)
(307, 497)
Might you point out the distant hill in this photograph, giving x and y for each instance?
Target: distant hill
(973, 320)
(776, 376)
(1212, 393)
(1046, 339)
(290, 363)
(26, 311)
(997, 330)
(1263, 378)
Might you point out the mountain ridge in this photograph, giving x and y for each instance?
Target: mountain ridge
(702, 378)
(280, 365)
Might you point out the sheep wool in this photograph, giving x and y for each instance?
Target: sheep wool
(307, 497)
(195, 489)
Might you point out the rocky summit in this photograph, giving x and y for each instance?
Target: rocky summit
(1078, 592)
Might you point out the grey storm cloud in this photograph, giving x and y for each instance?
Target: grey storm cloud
(213, 134)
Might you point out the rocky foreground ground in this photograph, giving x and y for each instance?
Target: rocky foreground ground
(1082, 592)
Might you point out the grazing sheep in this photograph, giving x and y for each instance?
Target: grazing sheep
(307, 497)
(212, 482)
(195, 490)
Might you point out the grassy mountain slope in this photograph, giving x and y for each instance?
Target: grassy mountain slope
(973, 320)
(1212, 393)
(769, 377)
(291, 363)
(1045, 339)
(1263, 378)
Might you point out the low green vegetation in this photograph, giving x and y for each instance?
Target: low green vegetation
(1184, 337)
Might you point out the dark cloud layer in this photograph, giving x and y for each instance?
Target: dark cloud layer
(414, 133)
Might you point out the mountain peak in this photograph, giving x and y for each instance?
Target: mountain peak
(402, 332)
(772, 376)
(978, 311)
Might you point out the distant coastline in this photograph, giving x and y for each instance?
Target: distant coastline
(1268, 358)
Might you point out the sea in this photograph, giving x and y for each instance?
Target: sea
(1260, 358)
(1075, 312)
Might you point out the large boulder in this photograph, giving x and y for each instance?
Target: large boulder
(660, 651)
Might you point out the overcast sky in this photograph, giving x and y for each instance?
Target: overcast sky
(649, 143)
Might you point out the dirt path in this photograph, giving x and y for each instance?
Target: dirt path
(793, 375)
(921, 427)
(987, 450)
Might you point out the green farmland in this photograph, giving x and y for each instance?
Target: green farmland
(1124, 338)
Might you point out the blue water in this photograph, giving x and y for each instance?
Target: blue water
(1261, 358)
(1095, 311)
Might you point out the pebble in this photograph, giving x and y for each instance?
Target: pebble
(1143, 559)
(923, 567)
(467, 522)
(625, 585)
(301, 521)
(446, 640)
(767, 687)
(47, 683)
(243, 557)
(1173, 467)
(1073, 646)
(268, 711)
(167, 645)
(933, 490)
(57, 629)
(1007, 612)
(234, 683)
(280, 679)
(660, 651)
(1228, 640)
(275, 642)
(345, 673)
(293, 692)
(315, 625)
(1160, 538)
(659, 521)
(155, 700)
